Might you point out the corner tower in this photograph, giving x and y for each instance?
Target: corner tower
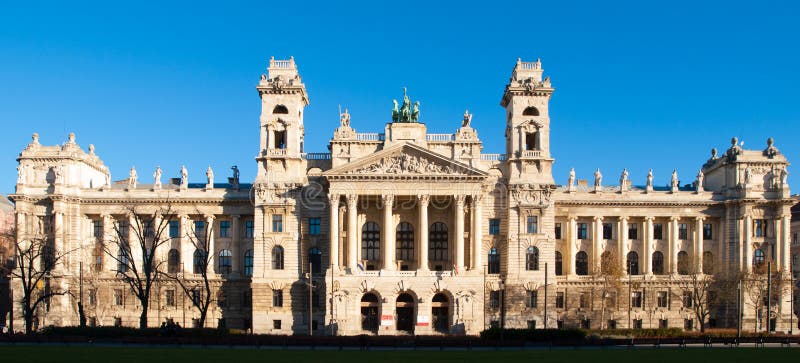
(526, 100)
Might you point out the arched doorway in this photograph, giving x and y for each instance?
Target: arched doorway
(369, 312)
(440, 311)
(405, 313)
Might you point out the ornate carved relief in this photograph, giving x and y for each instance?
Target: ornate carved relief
(406, 164)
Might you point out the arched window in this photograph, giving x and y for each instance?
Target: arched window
(532, 259)
(708, 262)
(559, 264)
(632, 263)
(122, 261)
(369, 312)
(405, 241)
(683, 263)
(494, 261)
(280, 109)
(277, 258)
(658, 263)
(315, 259)
(173, 261)
(248, 263)
(437, 239)
(581, 263)
(371, 242)
(225, 262)
(530, 111)
(200, 261)
(440, 311)
(759, 258)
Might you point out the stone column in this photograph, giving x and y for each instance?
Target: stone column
(333, 230)
(647, 242)
(388, 233)
(477, 233)
(422, 204)
(776, 246)
(459, 236)
(785, 243)
(747, 246)
(236, 245)
(673, 245)
(622, 244)
(187, 247)
(597, 236)
(106, 240)
(352, 234)
(698, 245)
(212, 248)
(572, 243)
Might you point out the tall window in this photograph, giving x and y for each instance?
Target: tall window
(632, 263)
(662, 299)
(405, 241)
(122, 230)
(494, 261)
(707, 231)
(122, 261)
(119, 298)
(559, 262)
(248, 263)
(532, 259)
(533, 224)
(277, 298)
(658, 263)
(199, 261)
(437, 238)
(708, 262)
(200, 229)
(683, 231)
(224, 229)
(683, 263)
(315, 259)
(582, 230)
(687, 299)
(277, 223)
(371, 242)
(581, 263)
(494, 226)
(532, 299)
(558, 231)
(760, 229)
(277, 258)
(633, 231)
(658, 231)
(494, 299)
(759, 258)
(225, 261)
(313, 226)
(174, 229)
(173, 261)
(97, 226)
(559, 300)
(169, 298)
(636, 299)
(249, 227)
(607, 231)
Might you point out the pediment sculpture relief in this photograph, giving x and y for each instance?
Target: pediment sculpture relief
(406, 164)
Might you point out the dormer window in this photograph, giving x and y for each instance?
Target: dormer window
(530, 111)
(281, 109)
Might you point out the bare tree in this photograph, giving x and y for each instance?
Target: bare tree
(610, 278)
(759, 296)
(197, 290)
(143, 233)
(700, 290)
(35, 258)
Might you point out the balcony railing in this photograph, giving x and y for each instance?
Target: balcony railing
(493, 157)
(440, 137)
(370, 136)
(531, 153)
(275, 152)
(316, 156)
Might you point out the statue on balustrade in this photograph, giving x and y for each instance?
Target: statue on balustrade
(405, 113)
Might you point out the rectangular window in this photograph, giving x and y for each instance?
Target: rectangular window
(688, 324)
(559, 300)
(658, 231)
(92, 297)
(532, 299)
(760, 229)
(531, 324)
(97, 226)
(612, 324)
(276, 324)
(119, 299)
(584, 300)
(174, 229)
(633, 231)
(586, 324)
(224, 229)
(533, 224)
(494, 226)
(683, 231)
(277, 298)
(169, 298)
(707, 231)
(663, 324)
(558, 230)
(277, 223)
(582, 230)
(607, 231)
(662, 299)
(687, 299)
(200, 229)
(636, 299)
(313, 226)
(249, 227)
(637, 323)
(494, 299)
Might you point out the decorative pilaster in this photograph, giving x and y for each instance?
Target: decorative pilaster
(647, 244)
(236, 245)
(622, 244)
(785, 243)
(422, 204)
(187, 247)
(673, 245)
(352, 234)
(477, 233)
(747, 246)
(698, 245)
(597, 236)
(572, 243)
(333, 229)
(459, 236)
(212, 250)
(388, 233)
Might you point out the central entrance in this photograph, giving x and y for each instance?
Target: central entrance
(369, 313)
(405, 313)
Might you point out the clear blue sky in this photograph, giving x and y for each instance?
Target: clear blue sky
(644, 84)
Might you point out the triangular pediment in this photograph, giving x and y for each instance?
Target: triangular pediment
(406, 159)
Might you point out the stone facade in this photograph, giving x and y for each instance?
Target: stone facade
(406, 231)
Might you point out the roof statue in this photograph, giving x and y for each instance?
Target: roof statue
(467, 119)
(405, 112)
(157, 178)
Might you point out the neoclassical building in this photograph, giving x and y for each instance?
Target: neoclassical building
(404, 231)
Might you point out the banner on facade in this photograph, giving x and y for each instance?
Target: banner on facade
(387, 320)
(423, 320)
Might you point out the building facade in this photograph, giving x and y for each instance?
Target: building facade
(409, 232)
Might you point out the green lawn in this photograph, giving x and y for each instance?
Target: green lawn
(31, 354)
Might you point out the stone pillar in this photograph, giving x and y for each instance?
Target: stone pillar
(572, 243)
(388, 233)
(333, 230)
(776, 246)
(106, 239)
(477, 233)
(236, 245)
(622, 244)
(698, 245)
(212, 248)
(352, 233)
(597, 236)
(785, 243)
(459, 236)
(747, 246)
(647, 243)
(673, 245)
(422, 204)
(187, 247)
